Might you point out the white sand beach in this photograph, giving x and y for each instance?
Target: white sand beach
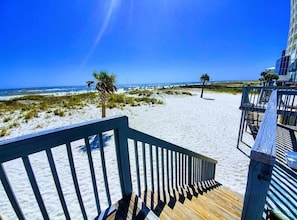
(207, 126)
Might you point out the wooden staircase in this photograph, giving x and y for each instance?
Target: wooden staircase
(206, 200)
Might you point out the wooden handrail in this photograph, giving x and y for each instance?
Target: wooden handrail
(261, 163)
(155, 159)
(140, 136)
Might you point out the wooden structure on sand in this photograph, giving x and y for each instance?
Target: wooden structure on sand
(270, 178)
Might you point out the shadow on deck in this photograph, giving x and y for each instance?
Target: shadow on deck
(205, 200)
(281, 195)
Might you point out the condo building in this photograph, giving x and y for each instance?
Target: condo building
(286, 65)
(292, 37)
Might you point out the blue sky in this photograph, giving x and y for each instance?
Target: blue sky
(52, 43)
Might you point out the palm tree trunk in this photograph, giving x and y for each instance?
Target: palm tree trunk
(201, 96)
(103, 110)
(103, 105)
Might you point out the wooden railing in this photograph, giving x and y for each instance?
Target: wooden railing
(162, 166)
(255, 100)
(78, 171)
(262, 159)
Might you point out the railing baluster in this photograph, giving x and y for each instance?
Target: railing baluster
(163, 174)
(200, 170)
(137, 167)
(158, 172)
(75, 182)
(152, 168)
(195, 170)
(167, 170)
(176, 171)
(171, 153)
(190, 178)
(144, 166)
(92, 171)
(104, 169)
(182, 170)
(213, 171)
(203, 168)
(34, 186)
(10, 194)
(57, 182)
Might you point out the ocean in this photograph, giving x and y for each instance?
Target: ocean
(16, 92)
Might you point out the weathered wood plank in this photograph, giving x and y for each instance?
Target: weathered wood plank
(207, 200)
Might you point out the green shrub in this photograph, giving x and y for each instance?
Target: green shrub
(59, 112)
(38, 126)
(140, 92)
(3, 131)
(14, 124)
(186, 93)
(7, 119)
(31, 114)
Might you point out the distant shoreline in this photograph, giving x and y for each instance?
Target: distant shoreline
(18, 92)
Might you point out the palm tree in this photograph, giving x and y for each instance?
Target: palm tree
(104, 85)
(267, 78)
(204, 78)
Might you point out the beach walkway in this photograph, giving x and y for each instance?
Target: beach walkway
(206, 200)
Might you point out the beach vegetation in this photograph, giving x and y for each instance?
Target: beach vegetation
(121, 100)
(268, 78)
(6, 119)
(141, 92)
(230, 90)
(186, 93)
(203, 78)
(3, 131)
(105, 85)
(39, 126)
(59, 112)
(14, 125)
(173, 91)
(234, 87)
(27, 107)
(31, 114)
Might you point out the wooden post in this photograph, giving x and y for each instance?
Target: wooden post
(123, 157)
(261, 164)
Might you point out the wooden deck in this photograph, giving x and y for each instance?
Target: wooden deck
(281, 196)
(207, 200)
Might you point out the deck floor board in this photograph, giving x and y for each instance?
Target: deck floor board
(283, 186)
(210, 200)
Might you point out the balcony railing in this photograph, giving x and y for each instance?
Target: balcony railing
(80, 170)
(263, 156)
(255, 100)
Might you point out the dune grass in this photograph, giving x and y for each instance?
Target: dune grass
(26, 108)
(3, 131)
(234, 87)
(30, 106)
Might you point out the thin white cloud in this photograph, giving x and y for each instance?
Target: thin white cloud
(108, 15)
